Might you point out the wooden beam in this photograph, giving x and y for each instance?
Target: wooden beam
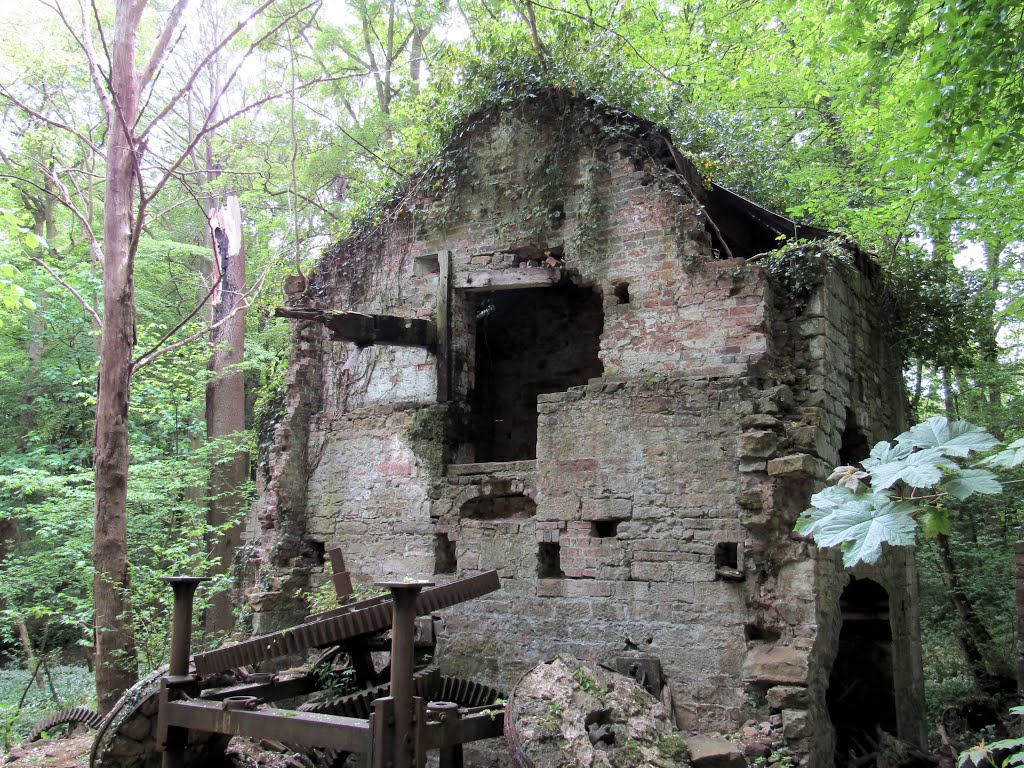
(508, 279)
(444, 326)
(365, 330)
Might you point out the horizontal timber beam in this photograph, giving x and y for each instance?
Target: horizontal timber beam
(364, 329)
(507, 279)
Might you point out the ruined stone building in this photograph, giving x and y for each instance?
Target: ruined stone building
(578, 365)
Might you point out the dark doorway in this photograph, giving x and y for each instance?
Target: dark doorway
(861, 695)
(529, 342)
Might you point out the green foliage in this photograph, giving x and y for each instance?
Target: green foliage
(46, 581)
(73, 686)
(899, 483)
(1004, 753)
(780, 757)
(586, 683)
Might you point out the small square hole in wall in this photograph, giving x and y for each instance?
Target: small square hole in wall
(549, 563)
(314, 552)
(729, 561)
(621, 292)
(605, 529)
(426, 265)
(444, 555)
(727, 555)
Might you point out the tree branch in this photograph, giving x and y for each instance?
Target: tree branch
(156, 58)
(205, 63)
(158, 351)
(49, 121)
(81, 299)
(169, 172)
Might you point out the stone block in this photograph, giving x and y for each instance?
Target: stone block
(714, 752)
(793, 464)
(607, 509)
(778, 664)
(795, 724)
(787, 697)
(812, 440)
(758, 444)
(760, 421)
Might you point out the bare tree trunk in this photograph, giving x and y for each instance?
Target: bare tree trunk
(225, 400)
(116, 666)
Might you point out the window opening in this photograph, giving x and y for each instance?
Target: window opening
(605, 529)
(529, 342)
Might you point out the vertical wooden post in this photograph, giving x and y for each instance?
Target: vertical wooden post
(444, 326)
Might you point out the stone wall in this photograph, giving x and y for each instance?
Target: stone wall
(670, 466)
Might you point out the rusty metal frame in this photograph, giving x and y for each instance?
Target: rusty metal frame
(401, 727)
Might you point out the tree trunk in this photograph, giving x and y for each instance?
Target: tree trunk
(225, 401)
(116, 667)
(972, 635)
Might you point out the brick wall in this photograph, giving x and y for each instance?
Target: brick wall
(657, 515)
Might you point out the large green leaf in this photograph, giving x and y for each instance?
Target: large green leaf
(1011, 456)
(967, 482)
(884, 453)
(957, 438)
(921, 469)
(935, 520)
(834, 499)
(862, 530)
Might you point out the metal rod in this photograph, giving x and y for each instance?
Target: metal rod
(403, 635)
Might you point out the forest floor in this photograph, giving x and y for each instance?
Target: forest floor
(73, 752)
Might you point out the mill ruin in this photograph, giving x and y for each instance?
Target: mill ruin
(563, 354)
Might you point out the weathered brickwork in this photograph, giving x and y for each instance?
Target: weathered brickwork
(619, 418)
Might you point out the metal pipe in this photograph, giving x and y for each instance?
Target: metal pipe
(181, 623)
(403, 635)
(181, 649)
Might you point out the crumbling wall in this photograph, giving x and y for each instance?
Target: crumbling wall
(656, 518)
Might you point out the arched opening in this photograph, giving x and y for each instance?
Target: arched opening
(854, 447)
(861, 694)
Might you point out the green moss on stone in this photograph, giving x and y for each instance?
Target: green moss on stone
(429, 436)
